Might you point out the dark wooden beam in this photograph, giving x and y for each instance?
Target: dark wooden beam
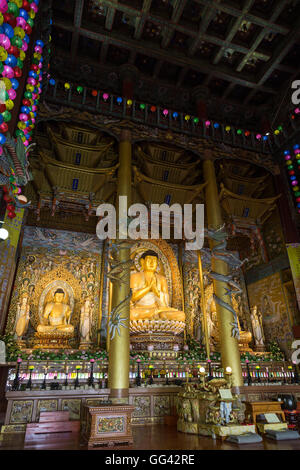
(110, 16)
(180, 59)
(178, 7)
(181, 77)
(103, 53)
(168, 25)
(208, 15)
(260, 37)
(157, 68)
(230, 10)
(77, 23)
(141, 20)
(278, 55)
(233, 30)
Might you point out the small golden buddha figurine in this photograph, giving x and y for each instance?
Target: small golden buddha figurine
(57, 314)
(150, 298)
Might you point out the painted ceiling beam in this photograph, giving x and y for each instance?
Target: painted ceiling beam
(166, 25)
(230, 10)
(156, 52)
(260, 37)
(233, 30)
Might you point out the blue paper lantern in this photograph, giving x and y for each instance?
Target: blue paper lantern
(8, 30)
(14, 83)
(23, 13)
(11, 60)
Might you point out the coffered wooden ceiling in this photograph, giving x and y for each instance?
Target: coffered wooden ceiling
(244, 52)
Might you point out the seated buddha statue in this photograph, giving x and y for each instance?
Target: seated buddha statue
(57, 314)
(150, 298)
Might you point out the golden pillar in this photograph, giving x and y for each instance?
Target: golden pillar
(119, 352)
(230, 354)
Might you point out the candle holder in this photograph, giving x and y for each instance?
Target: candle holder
(76, 383)
(284, 377)
(296, 374)
(202, 373)
(151, 375)
(228, 376)
(210, 376)
(258, 376)
(66, 378)
(91, 377)
(249, 378)
(16, 382)
(138, 379)
(290, 368)
(29, 383)
(43, 386)
(167, 378)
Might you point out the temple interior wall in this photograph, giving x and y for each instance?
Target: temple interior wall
(45, 250)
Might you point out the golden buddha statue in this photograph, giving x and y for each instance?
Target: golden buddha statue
(150, 297)
(57, 314)
(213, 328)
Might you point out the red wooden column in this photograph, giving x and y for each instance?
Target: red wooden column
(129, 74)
(200, 95)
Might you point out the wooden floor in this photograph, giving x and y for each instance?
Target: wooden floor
(159, 437)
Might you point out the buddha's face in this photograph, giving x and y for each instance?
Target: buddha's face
(149, 263)
(59, 297)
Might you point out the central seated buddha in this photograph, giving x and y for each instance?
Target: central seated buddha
(150, 297)
(56, 317)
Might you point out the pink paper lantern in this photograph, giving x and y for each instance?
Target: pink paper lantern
(23, 117)
(34, 7)
(4, 41)
(3, 6)
(24, 46)
(21, 22)
(8, 72)
(31, 81)
(12, 93)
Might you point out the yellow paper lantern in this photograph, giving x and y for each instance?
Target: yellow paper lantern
(31, 14)
(129, 102)
(21, 125)
(67, 86)
(227, 128)
(22, 55)
(9, 104)
(1, 18)
(276, 132)
(19, 3)
(19, 32)
(37, 56)
(296, 188)
(3, 54)
(187, 117)
(6, 82)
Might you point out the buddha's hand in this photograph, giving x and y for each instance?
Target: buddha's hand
(153, 286)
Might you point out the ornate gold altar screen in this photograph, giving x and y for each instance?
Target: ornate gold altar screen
(67, 293)
(119, 345)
